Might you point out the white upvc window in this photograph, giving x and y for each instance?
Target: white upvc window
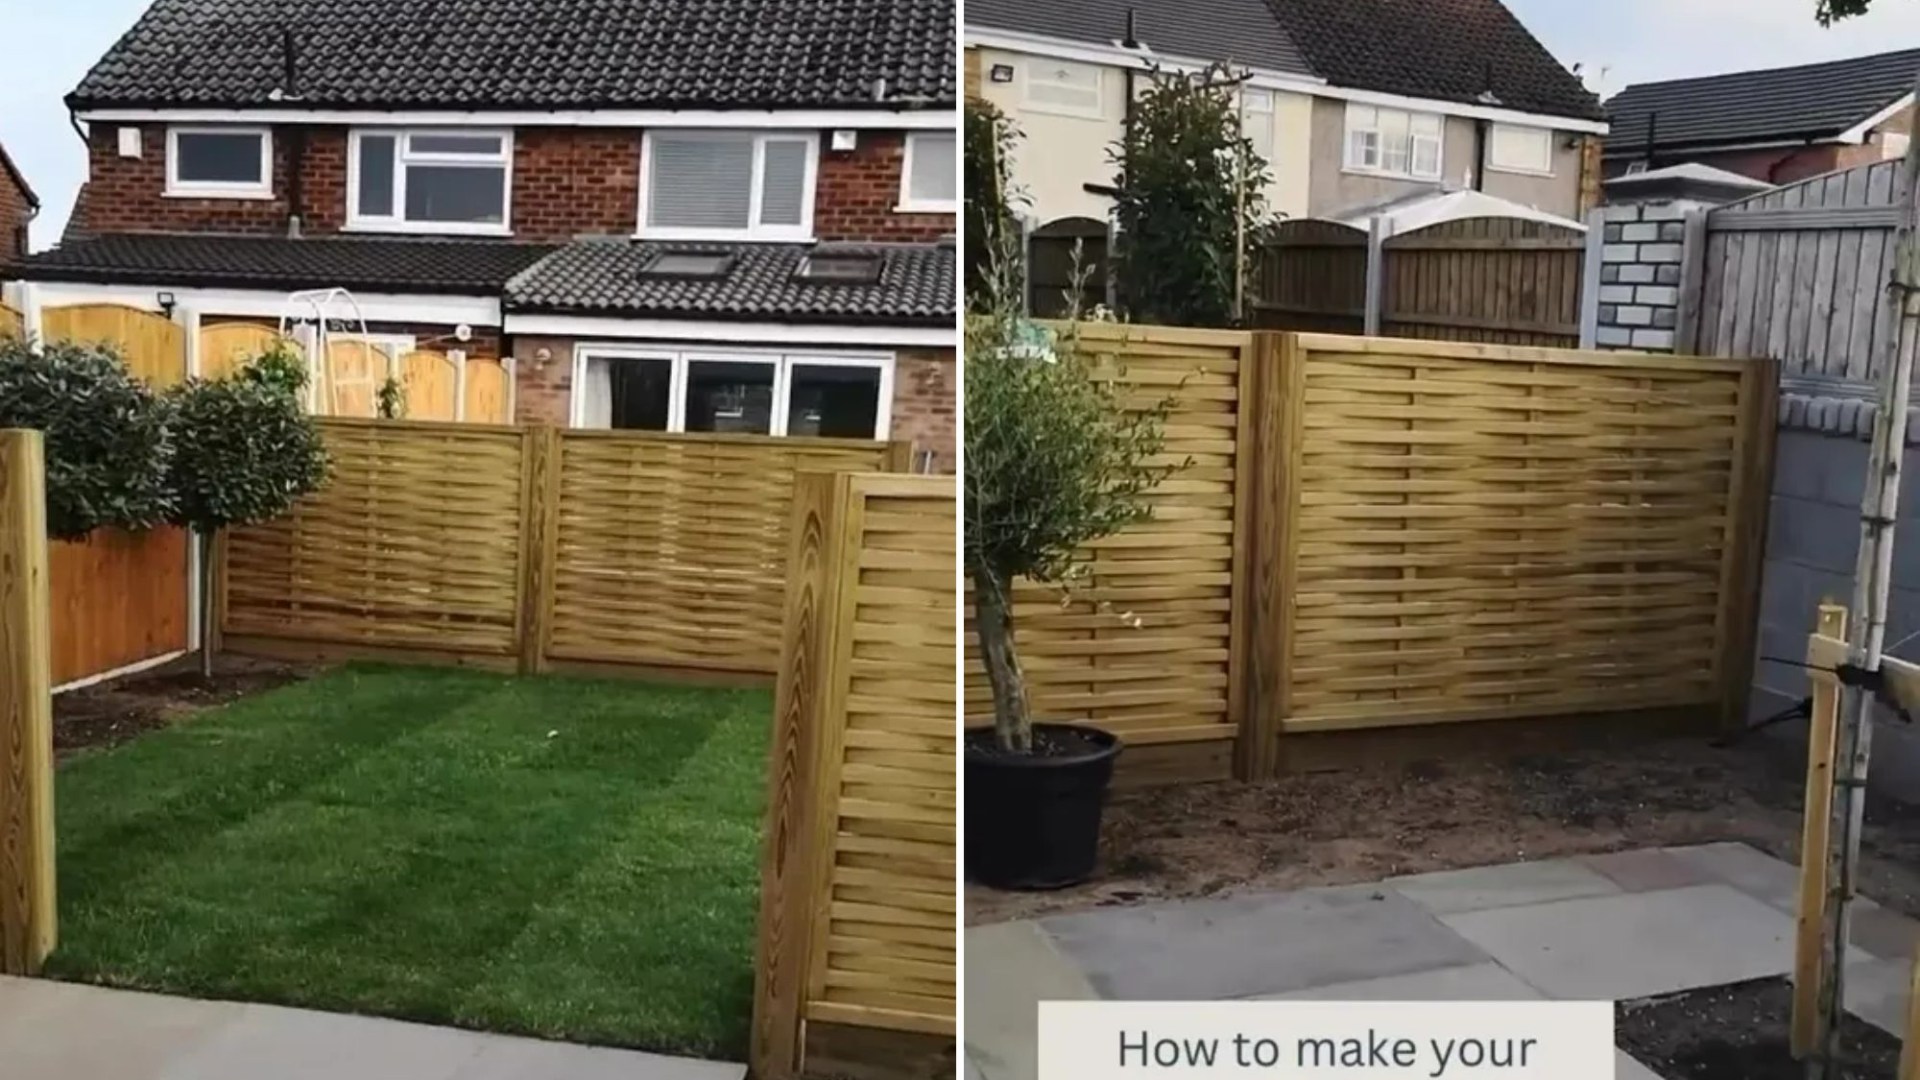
(1394, 142)
(728, 185)
(1065, 88)
(929, 176)
(219, 163)
(733, 391)
(1256, 120)
(1515, 149)
(427, 181)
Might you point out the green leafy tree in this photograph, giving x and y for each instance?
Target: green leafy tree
(1055, 460)
(245, 451)
(1190, 201)
(107, 438)
(1832, 11)
(992, 222)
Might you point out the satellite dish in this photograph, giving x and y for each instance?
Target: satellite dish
(463, 332)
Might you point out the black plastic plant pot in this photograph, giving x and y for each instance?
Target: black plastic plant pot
(1033, 820)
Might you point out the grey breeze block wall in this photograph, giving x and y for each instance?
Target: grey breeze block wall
(1640, 258)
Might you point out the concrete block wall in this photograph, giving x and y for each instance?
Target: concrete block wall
(1641, 252)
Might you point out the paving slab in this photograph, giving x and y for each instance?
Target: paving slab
(1247, 946)
(61, 1031)
(1877, 993)
(1883, 932)
(1513, 885)
(1752, 871)
(1638, 944)
(1626, 1068)
(1011, 968)
(294, 1044)
(1474, 982)
(502, 1058)
(1647, 870)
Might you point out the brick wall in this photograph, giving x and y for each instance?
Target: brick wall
(925, 402)
(15, 212)
(1640, 275)
(568, 182)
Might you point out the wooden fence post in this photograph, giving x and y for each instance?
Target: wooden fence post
(1272, 551)
(1590, 264)
(1693, 276)
(1756, 433)
(1910, 1038)
(28, 928)
(539, 544)
(784, 942)
(899, 456)
(1814, 839)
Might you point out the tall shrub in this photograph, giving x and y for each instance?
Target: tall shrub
(244, 451)
(107, 440)
(992, 225)
(1054, 460)
(1190, 201)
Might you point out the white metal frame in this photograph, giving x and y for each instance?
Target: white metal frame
(754, 229)
(908, 204)
(1493, 141)
(1353, 164)
(404, 156)
(178, 188)
(1054, 108)
(782, 361)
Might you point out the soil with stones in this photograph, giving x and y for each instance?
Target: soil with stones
(1739, 1032)
(1467, 809)
(113, 713)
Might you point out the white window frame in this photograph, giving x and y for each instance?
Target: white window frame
(219, 189)
(754, 230)
(1493, 163)
(908, 204)
(1353, 164)
(1264, 115)
(402, 157)
(782, 361)
(1053, 108)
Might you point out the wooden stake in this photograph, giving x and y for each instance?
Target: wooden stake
(1873, 581)
(27, 922)
(1807, 1029)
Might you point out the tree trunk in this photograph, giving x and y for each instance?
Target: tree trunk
(993, 608)
(206, 541)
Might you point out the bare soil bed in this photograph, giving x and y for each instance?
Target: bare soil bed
(1739, 1032)
(1467, 809)
(113, 713)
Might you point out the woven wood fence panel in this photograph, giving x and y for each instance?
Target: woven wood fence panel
(672, 550)
(858, 907)
(414, 543)
(1146, 647)
(1472, 532)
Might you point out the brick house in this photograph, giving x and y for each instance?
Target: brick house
(683, 215)
(18, 207)
(1777, 125)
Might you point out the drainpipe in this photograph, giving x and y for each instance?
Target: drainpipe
(296, 137)
(1480, 138)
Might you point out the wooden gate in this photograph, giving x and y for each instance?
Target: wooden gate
(120, 599)
(1056, 252)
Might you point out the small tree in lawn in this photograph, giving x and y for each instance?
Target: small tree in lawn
(107, 440)
(1055, 460)
(244, 451)
(1190, 201)
(992, 224)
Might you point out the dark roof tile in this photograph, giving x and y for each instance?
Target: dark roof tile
(533, 54)
(1809, 101)
(604, 278)
(1242, 32)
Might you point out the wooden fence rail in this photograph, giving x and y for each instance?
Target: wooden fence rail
(857, 947)
(532, 548)
(28, 927)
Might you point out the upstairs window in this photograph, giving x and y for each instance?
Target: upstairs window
(1394, 142)
(430, 181)
(929, 178)
(219, 163)
(1256, 121)
(727, 185)
(1520, 150)
(1067, 88)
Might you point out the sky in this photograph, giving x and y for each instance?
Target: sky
(1618, 42)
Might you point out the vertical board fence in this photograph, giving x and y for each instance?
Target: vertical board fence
(12, 322)
(531, 548)
(1500, 280)
(856, 966)
(1168, 685)
(120, 599)
(1383, 532)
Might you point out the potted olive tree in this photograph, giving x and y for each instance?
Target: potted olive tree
(1054, 460)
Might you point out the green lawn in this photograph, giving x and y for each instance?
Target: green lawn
(556, 857)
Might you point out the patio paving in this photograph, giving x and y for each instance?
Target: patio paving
(1614, 927)
(54, 1031)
